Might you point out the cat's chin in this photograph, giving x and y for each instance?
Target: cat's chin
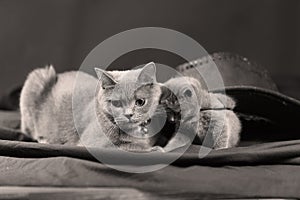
(133, 125)
(128, 127)
(146, 122)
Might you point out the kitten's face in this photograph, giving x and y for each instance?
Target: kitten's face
(132, 105)
(131, 99)
(188, 93)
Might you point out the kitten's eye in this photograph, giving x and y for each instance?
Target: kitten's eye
(187, 93)
(140, 102)
(116, 103)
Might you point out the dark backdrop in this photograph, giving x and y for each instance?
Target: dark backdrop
(62, 32)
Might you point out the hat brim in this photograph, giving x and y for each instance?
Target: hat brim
(266, 115)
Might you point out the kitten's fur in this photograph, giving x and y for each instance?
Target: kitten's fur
(203, 113)
(46, 107)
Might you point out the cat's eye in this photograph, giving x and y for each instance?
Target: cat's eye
(116, 103)
(187, 93)
(140, 102)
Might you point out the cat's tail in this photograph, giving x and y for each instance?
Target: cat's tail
(37, 87)
(39, 83)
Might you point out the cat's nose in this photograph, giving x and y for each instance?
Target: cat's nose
(128, 116)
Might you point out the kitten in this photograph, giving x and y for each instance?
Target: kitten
(202, 114)
(125, 102)
(131, 98)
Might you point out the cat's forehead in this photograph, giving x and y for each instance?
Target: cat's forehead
(128, 91)
(180, 84)
(145, 91)
(130, 77)
(124, 90)
(127, 84)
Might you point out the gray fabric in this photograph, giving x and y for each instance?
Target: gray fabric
(269, 170)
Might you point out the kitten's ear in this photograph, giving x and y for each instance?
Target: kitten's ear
(106, 79)
(148, 73)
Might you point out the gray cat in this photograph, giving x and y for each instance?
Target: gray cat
(125, 101)
(202, 114)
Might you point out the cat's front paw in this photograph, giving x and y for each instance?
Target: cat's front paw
(157, 149)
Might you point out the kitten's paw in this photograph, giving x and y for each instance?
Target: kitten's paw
(42, 140)
(157, 149)
(225, 100)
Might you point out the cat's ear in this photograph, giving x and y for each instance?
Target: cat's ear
(148, 74)
(107, 81)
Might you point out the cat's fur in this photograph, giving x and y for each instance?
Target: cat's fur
(46, 107)
(47, 111)
(202, 114)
